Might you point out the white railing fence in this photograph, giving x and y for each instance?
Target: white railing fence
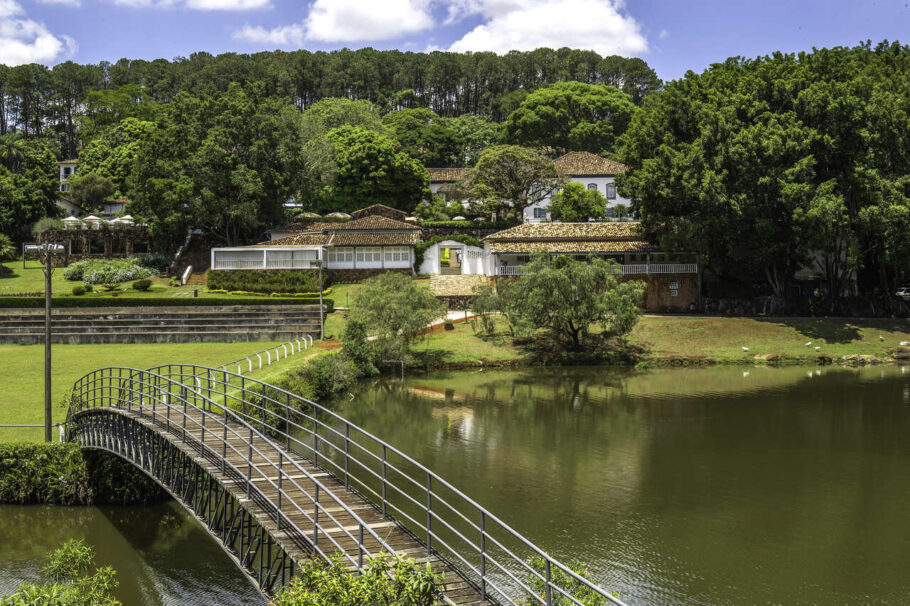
(267, 356)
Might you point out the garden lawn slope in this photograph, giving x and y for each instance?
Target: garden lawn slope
(22, 373)
(721, 340)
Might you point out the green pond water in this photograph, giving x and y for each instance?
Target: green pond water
(684, 486)
(688, 486)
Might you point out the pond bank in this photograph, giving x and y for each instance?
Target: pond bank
(664, 341)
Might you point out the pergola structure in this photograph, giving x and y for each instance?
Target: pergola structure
(101, 242)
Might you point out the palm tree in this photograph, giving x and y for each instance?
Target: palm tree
(11, 153)
(7, 248)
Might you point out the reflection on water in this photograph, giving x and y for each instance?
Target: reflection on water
(161, 554)
(684, 486)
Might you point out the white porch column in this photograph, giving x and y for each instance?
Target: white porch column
(265, 258)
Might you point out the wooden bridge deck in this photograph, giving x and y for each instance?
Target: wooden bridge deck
(297, 540)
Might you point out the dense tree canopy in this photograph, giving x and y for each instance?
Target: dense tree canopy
(28, 183)
(225, 163)
(509, 178)
(371, 170)
(575, 202)
(768, 164)
(571, 116)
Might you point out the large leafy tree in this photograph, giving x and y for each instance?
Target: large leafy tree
(570, 297)
(574, 202)
(763, 165)
(28, 190)
(224, 163)
(571, 116)
(113, 153)
(509, 178)
(371, 170)
(425, 136)
(90, 190)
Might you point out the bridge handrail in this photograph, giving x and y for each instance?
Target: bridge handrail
(88, 384)
(248, 398)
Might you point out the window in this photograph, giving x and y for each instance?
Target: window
(340, 255)
(610, 191)
(369, 255)
(674, 285)
(592, 186)
(674, 292)
(66, 171)
(397, 253)
(540, 213)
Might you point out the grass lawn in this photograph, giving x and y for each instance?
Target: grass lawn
(722, 339)
(462, 345)
(22, 373)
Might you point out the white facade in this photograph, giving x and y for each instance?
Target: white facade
(464, 259)
(298, 257)
(67, 170)
(602, 183)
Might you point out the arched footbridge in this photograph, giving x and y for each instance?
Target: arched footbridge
(276, 479)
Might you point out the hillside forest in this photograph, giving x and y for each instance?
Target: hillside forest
(761, 166)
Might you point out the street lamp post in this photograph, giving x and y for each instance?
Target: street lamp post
(48, 408)
(318, 264)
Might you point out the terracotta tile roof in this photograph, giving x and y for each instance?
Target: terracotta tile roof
(588, 164)
(372, 230)
(390, 238)
(72, 161)
(381, 210)
(447, 175)
(612, 236)
(295, 240)
(575, 246)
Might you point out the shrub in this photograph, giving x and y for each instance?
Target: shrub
(386, 580)
(5, 271)
(7, 248)
(160, 263)
(142, 285)
(106, 271)
(357, 349)
(67, 569)
(78, 290)
(468, 224)
(266, 280)
(88, 287)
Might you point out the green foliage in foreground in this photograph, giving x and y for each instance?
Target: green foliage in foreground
(578, 589)
(69, 583)
(387, 580)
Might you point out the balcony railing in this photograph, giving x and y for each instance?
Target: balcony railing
(628, 269)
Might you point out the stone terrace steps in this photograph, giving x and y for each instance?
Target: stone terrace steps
(161, 325)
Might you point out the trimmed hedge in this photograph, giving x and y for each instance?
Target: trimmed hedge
(38, 302)
(61, 474)
(265, 280)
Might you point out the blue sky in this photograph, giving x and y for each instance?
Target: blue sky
(671, 35)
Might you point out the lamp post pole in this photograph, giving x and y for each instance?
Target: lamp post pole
(48, 410)
(321, 308)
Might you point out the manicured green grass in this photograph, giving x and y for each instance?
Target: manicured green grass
(462, 345)
(722, 339)
(31, 279)
(22, 373)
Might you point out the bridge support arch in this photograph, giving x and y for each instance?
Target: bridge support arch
(215, 498)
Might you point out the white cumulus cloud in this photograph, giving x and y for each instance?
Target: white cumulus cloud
(598, 25)
(284, 36)
(65, 2)
(23, 40)
(363, 20)
(202, 5)
(345, 21)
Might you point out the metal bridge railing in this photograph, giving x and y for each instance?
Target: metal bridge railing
(486, 550)
(169, 404)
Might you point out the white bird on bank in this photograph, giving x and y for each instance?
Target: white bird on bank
(817, 348)
(881, 338)
(745, 348)
(905, 343)
(808, 343)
